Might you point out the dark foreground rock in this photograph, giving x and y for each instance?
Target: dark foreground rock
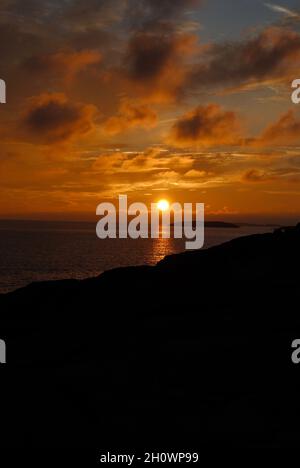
(196, 350)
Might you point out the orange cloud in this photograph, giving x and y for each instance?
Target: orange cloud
(130, 116)
(205, 126)
(289, 174)
(66, 63)
(223, 211)
(285, 131)
(255, 175)
(51, 118)
(195, 174)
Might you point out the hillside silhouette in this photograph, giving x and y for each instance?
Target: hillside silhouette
(196, 349)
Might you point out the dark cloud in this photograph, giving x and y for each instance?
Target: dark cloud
(206, 126)
(270, 54)
(63, 13)
(11, 38)
(148, 55)
(51, 118)
(149, 14)
(155, 63)
(33, 10)
(89, 14)
(158, 48)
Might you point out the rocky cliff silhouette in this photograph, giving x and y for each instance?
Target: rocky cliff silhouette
(196, 349)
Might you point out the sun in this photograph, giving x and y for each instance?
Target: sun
(163, 205)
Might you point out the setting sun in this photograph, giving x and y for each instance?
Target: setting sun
(163, 205)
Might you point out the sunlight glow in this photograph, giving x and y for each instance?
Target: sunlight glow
(163, 205)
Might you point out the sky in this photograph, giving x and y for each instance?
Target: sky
(188, 100)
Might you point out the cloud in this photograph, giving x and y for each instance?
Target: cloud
(285, 131)
(79, 16)
(155, 63)
(150, 54)
(148, 161)
(195, 174)
(271, 55)
(151, 14)
(67, 64)
(223, 211)
(51, 118)
(38, 11)
(151, 170)
(205, 126)
(130, 116)
(85, 15)
(284, 174)
(255, 175)
(281, 9)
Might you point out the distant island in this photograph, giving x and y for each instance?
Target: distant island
(220, 224)
(215, 224)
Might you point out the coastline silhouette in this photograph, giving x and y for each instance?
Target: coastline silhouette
(196, 348)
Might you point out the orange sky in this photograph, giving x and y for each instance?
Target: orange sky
(153, 99)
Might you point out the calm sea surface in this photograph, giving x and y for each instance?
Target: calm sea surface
(36, 250)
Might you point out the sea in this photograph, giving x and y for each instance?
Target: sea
(33, 251)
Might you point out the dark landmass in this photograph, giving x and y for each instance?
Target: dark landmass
(196, 351)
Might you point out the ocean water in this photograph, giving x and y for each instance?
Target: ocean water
(36, 250)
